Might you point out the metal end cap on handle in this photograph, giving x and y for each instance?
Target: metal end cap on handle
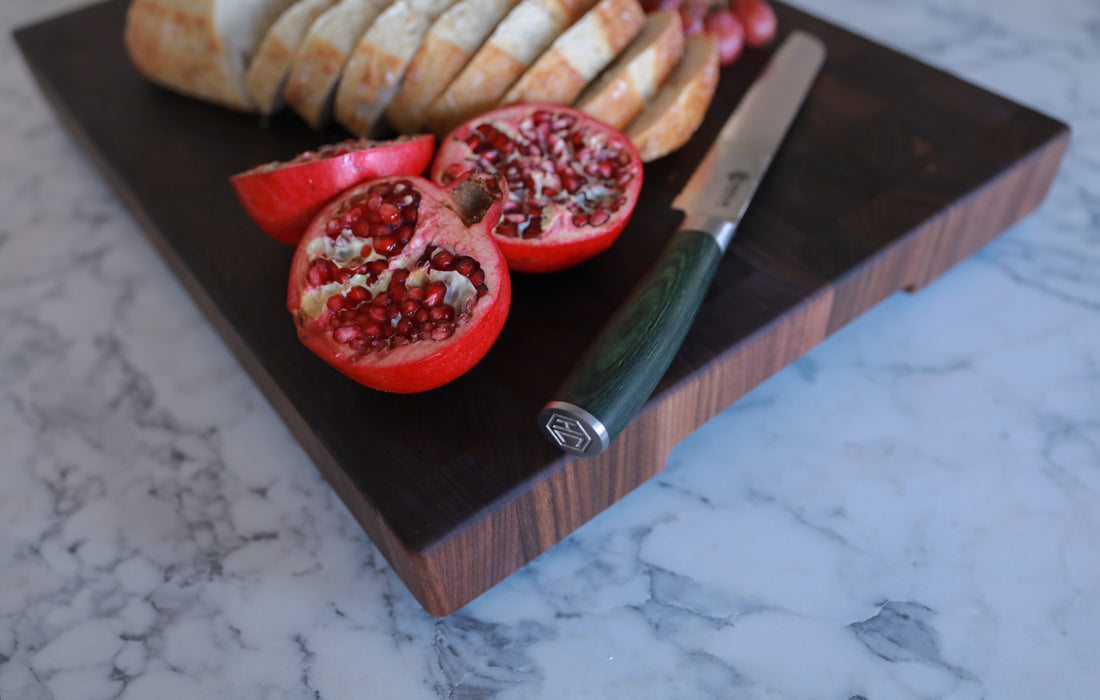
(573, 429)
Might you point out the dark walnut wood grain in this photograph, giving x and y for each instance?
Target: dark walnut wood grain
(893, 172)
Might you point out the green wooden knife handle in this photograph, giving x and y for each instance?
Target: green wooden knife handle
(632, 352)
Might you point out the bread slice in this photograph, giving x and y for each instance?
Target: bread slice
(377, 65)
(199, 47)
(518, 40)
(678, 109)
(620, 93)
(271, 64)
(322, 55)
(579, 54)
(449, 44)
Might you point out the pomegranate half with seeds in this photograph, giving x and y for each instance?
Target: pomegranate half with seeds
(398, 283)
(283, 197)
(572, 180)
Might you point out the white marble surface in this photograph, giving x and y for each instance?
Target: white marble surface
(910, 511)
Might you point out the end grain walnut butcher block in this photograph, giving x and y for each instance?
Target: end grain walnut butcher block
(887, 179)
(579, 54)
(199, 47)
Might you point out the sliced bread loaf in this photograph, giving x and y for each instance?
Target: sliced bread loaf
(271, 64)
(199, 47)
(620, 93)
(678, 109)
(374, 72)
(449, 44)
(517, 41)
(322, 55)
(579, 54)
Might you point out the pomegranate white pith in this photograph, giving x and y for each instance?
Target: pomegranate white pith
(395, 289)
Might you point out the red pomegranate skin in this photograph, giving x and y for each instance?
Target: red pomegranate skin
(282, 198)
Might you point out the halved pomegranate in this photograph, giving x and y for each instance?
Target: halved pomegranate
(283, 197)
(398, 283)
(572, 180)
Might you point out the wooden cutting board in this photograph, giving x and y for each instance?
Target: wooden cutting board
(893, 173)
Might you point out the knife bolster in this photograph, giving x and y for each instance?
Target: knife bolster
(721, 229)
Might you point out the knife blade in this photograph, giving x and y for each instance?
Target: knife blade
(622, 366)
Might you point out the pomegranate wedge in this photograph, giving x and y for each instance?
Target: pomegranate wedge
(283, 197)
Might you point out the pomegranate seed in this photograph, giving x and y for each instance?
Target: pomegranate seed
(443, 312)
(409, 308)
(435, 293)
(372, 330)
(335, 303)
(477, 277)
(352, 215)
(444, 260)
(599, 218)
(482, 290)
(465, 265)
(375, 268)
(387, 245)
(358, 294)
(405, 327)
(389, 213)
(319, 273)
(345, 334)
(378, 314)
(415, 294)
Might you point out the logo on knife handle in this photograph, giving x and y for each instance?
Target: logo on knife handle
(568, 432)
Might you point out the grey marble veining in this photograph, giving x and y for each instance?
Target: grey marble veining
(910, 511)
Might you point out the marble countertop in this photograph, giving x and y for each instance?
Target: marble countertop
(912, 510)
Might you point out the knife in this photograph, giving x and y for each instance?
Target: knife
(620, 369)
